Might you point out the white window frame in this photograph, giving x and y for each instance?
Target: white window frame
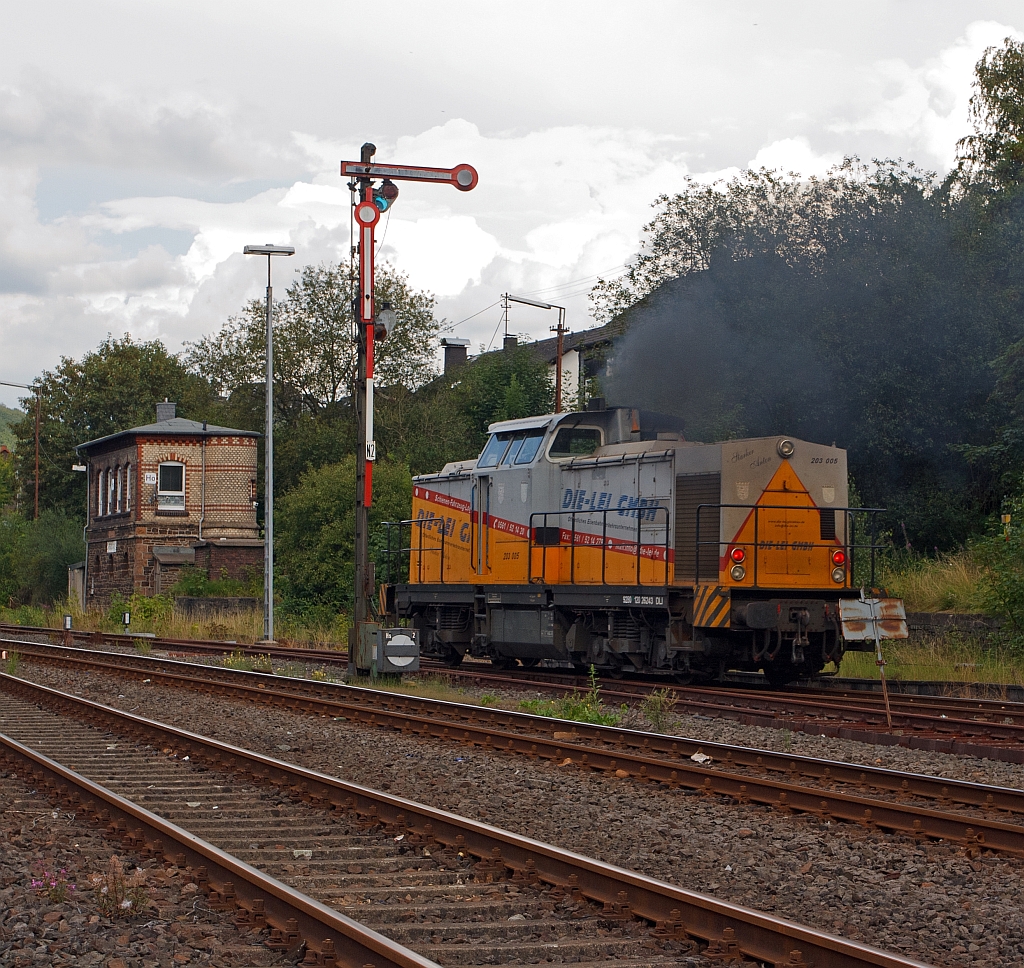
(100, 485)
(110, 491)
(554, 437)
(128, 486)
(170, 500)
(119, 488)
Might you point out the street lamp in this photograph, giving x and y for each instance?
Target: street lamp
(36, 389)
(559, 329)
(268, 545)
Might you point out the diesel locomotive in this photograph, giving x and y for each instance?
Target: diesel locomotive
(602, 538)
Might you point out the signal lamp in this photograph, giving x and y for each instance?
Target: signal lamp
(737, 555)
(738, 573)
(839, 575)
(385, 321)
(839, 557)
(785, 447)
(384, 197)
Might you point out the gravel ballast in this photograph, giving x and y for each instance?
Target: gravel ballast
(930, 901)
(175, 926)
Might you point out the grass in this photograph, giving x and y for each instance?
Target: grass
(440, 687)
(157, 615)
(950, 657)
(12, 663)
(947, 583)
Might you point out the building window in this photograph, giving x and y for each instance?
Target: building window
(170, 493)
(99, 494)
(110, 491)
(128, 486)
(120, 487)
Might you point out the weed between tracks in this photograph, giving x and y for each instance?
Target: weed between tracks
(12, 662)
(582, 707)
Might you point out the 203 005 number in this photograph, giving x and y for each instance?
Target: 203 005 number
(824, 460)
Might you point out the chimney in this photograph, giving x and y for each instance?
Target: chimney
(165, 411)
(455, 351)
(510, 343)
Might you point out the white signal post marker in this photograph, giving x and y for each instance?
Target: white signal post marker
(367, 212)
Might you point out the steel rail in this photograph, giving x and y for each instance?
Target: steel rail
(231, 882)
(935, 733)
(731, 931)
(552, 678)
(643, 756)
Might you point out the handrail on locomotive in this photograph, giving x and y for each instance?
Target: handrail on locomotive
(539, 539)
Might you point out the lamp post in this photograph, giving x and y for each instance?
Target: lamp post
(268, 485)
(36, 389)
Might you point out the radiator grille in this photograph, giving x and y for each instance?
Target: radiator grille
(693, 490)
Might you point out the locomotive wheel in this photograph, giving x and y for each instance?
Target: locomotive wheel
(502, 662)
(683, 678)
(453, 659)
(529, 663)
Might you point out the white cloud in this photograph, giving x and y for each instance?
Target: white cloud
(926, 107)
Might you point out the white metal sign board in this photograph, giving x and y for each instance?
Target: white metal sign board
(869, 619)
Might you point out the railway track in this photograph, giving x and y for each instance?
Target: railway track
(989, 728)
(976, 816)
(441, 888)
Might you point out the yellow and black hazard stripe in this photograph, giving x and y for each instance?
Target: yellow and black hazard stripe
(711, 606)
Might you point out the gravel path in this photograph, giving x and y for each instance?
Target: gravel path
(930, 901)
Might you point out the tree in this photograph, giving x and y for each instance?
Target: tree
(755, 212)
(315, 348)
(503, 385)
(49, 545)
(315, 545)
(994, 155)
(113, 388)
(881, 340)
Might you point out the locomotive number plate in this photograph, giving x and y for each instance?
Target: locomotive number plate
(643, 599)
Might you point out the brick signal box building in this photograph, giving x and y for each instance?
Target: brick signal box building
(172, 493)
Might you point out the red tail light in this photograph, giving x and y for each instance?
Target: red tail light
(737, 555)
(839, 557)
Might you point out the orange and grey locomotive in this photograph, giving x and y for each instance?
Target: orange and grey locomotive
(596, 538)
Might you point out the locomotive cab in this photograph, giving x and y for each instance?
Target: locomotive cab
(604, 538)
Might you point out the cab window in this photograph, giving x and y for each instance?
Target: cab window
(574, 442)
(493, 451)
(530, 447)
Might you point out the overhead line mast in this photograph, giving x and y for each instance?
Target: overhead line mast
(369, 201)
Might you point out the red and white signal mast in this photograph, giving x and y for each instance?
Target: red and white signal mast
(370, 200)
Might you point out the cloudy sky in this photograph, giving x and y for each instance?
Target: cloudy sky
(143, 143)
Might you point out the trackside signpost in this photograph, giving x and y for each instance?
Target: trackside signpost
(374, 192)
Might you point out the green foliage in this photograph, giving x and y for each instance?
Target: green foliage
(1002, 555)
(315, 546)
(148, 612)
(866, 313)
(48, 546)
(994, 154)
(8, 482)
(193, 582)
(238, 660)
(12, 662)
(502, 386)
(13, 528)
(8, 417)
(110, 389)
(585, 707)
(657, 708)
